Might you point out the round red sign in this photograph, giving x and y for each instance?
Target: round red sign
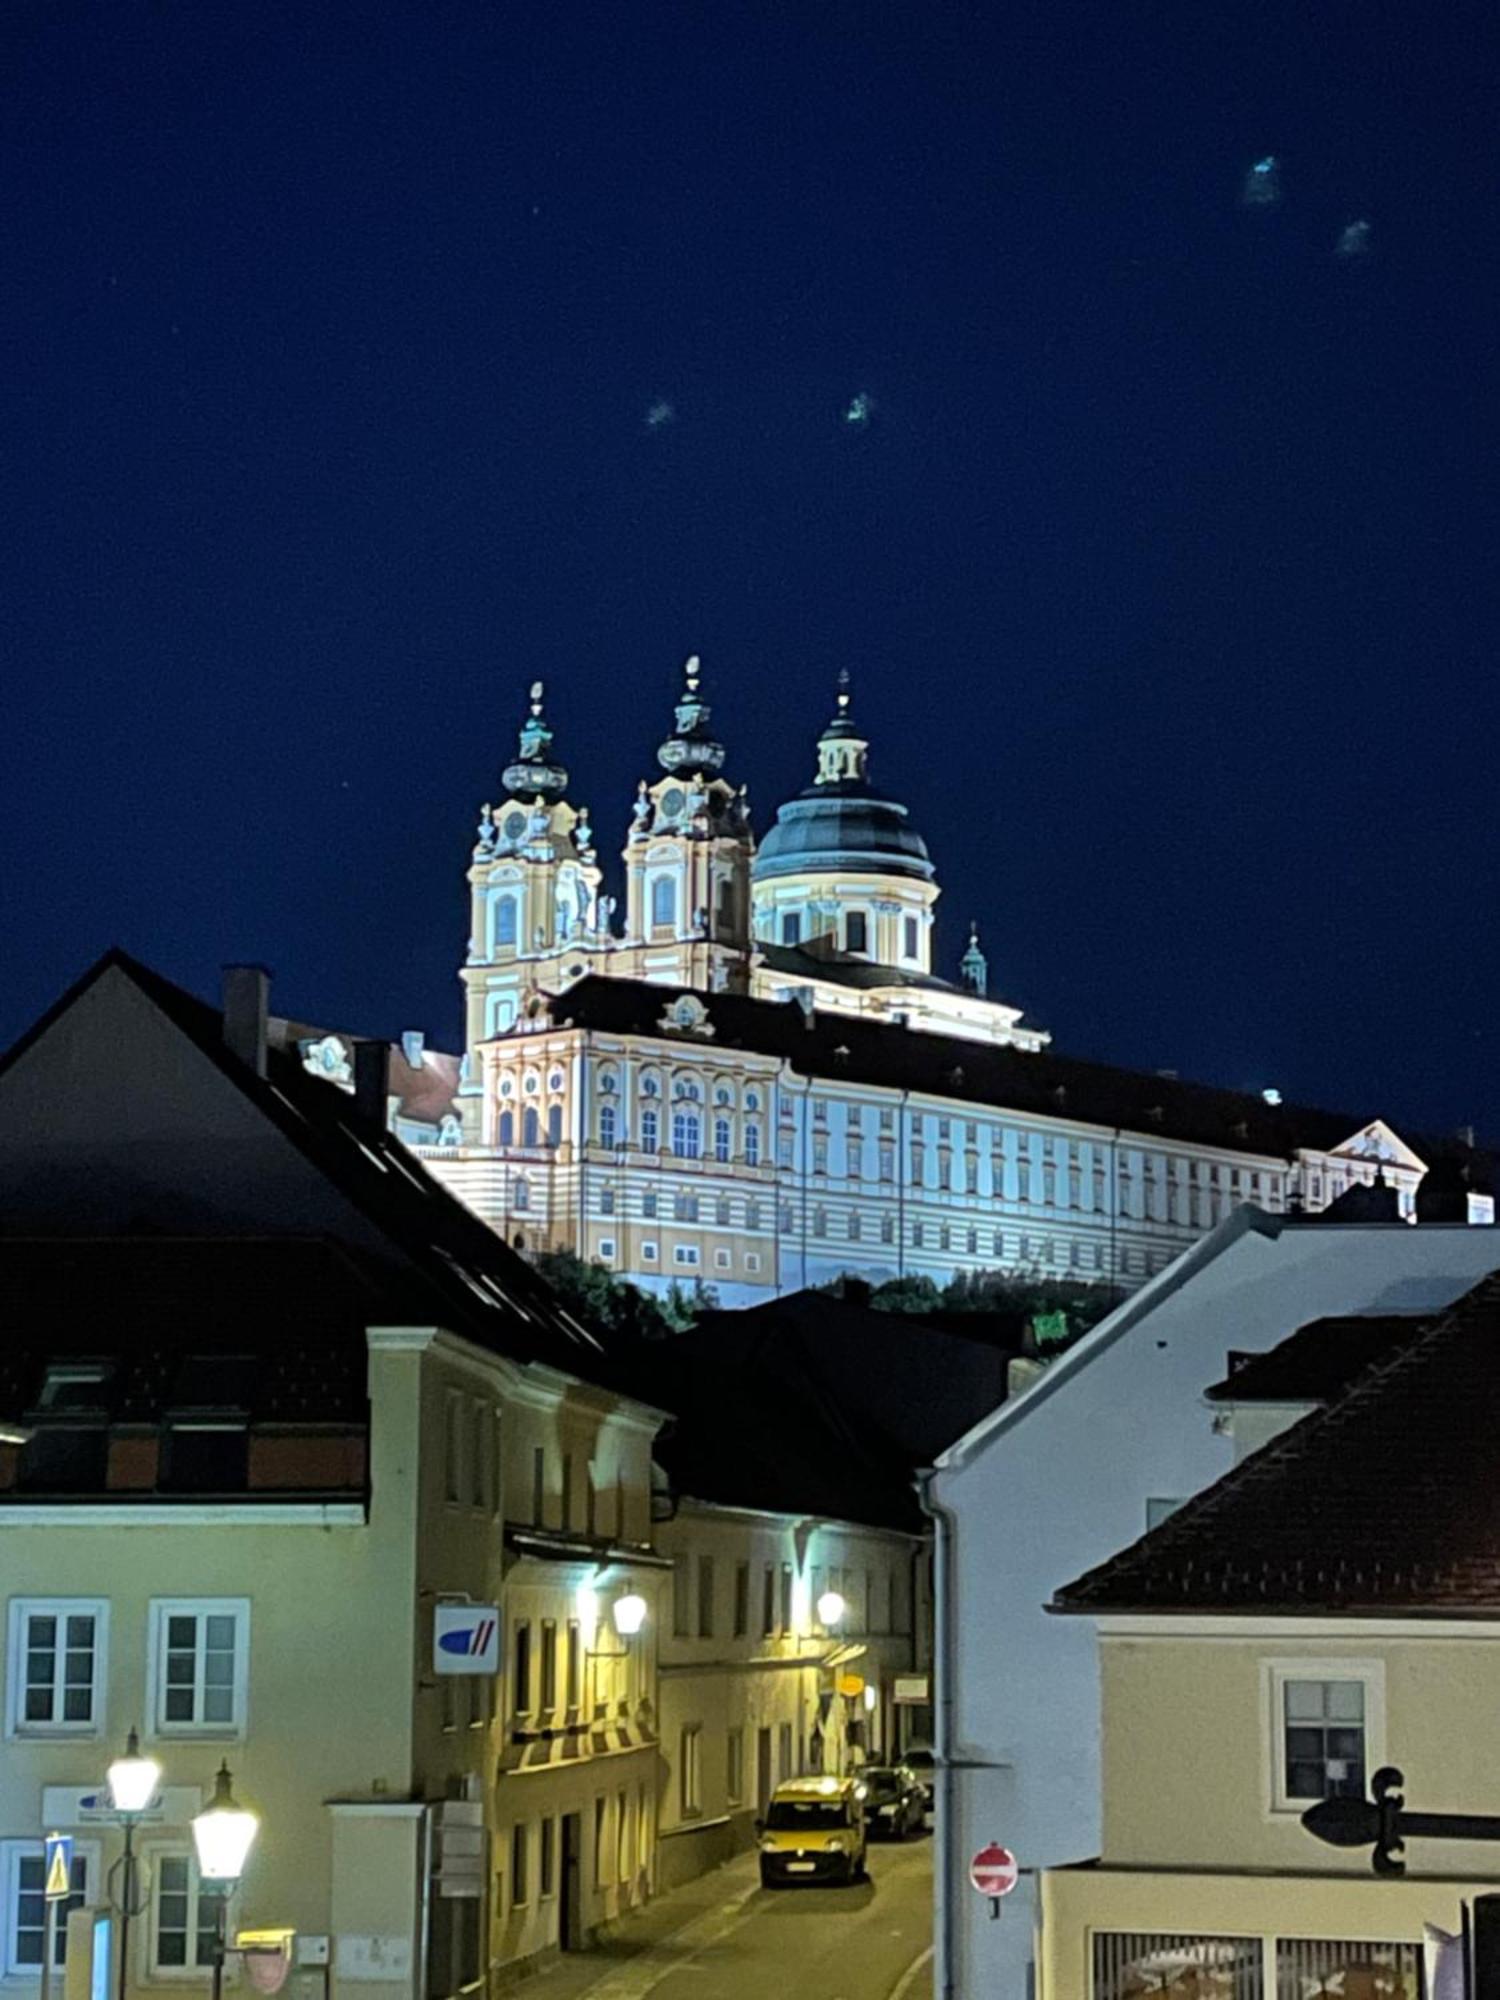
(993, 1871)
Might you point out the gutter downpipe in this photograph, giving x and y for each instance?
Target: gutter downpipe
(943, 1635)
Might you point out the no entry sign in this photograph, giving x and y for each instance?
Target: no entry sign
(993, 1871)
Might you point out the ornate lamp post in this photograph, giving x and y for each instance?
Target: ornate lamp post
(133, 1781)
(222, 1833)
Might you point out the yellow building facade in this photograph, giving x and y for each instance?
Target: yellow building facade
(1207, 1883)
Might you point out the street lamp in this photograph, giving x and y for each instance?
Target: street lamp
(629, 1614)
(133, 1781)
(222, 1833)
(831, 1609)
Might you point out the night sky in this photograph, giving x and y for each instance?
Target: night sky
(1164, 565)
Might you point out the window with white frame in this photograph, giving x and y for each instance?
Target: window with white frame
(57, 1665)
(648, 1253)
(23, 1887)
(686, 1255)
(200, 1656)
(1328, 1720)
(184, 1930)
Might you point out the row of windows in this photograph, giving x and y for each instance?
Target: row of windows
(181, 1921)
(874, 1599)
(622, 1849)
(790, 1763)
(687, 1206)
(685, 1256)
(687, 1132)
(855, 932)
(197, 1666)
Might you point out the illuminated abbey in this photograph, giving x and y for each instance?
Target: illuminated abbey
(753, 1075)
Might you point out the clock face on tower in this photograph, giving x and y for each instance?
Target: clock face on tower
(514, 825)
(671, 802)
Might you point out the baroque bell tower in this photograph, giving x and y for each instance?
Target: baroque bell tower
(687, 860)
(538, 917)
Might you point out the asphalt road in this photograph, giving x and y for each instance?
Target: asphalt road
(870, 1941)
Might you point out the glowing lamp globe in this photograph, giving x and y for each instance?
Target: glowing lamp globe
(831, 1608)
(223, 1833)
(133, 1779)
(629, 1614)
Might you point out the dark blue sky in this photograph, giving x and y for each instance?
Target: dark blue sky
(1165, 568)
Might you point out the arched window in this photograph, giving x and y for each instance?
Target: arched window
(664, 901)
(687, 1138)
(507, 1128)
(554, 1124)
(820, 1222)
(721, 1141)
(752, 1145)
(649, 1136)
(529, 1133)
(505, 921)
(521, 1195)
(609, 1125)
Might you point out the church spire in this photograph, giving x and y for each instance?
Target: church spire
(974, 969)
(535, 774)
(843, 754)
(692, 749)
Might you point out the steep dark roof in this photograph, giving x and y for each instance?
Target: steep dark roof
(165, 1309)
(1386, 1501)
(795, 962)
(1319, 1361)
(486, 1292)
(845, 1048)
(814, 1405)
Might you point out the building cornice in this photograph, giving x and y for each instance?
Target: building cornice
(182, 1514)
(1317, 1627)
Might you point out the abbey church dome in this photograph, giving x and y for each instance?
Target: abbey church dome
(841, 822)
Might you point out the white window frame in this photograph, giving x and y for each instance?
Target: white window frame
(686, 1256)
(22, 1608)
(149, 1968)
(1275, 1673)
(163, 1608)
(12, 1853)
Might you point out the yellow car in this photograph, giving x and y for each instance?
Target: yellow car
(813, 1831)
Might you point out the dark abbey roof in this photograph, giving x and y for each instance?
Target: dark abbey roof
(797, 962)
(847, 1049)
(1386, 1501)
(472, 1282)
(1319, 1361)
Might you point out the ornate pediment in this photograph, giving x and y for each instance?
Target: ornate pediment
(687, 1015)
(1378, 1143)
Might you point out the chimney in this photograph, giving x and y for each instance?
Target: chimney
(372, 1081)
(246, 993)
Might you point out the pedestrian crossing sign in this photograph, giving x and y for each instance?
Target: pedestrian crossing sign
(59, 1866)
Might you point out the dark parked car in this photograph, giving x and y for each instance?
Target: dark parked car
(894, 1806)
(920, 1761)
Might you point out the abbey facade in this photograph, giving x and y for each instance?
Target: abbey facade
(753, 1075)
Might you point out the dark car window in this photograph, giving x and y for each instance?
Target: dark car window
(885, 1784)
(806, 1815)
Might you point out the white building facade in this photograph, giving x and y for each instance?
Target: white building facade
(1022, 1505)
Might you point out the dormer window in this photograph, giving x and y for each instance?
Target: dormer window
(75, 1385)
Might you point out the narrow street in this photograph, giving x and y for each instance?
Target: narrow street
(737, 1941)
